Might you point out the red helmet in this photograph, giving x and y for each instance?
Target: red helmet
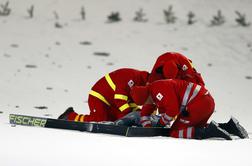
(170, 70)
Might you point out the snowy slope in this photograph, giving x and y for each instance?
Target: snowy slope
(41, 65)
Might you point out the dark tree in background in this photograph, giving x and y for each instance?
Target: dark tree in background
(114, 17)
(169, 15)
(219, 19)
(31, 11)
(191, 18)
(83, 13)
(57, 24)
(4, 9)
(139, 16)
(56, 15)
(241, 20)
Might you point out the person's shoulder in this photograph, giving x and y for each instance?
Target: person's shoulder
(162, 82)
(127, 70)
(169, 82)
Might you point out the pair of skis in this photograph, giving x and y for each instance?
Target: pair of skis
(87, 127)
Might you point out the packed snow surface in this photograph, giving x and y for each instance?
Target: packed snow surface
(50, 62)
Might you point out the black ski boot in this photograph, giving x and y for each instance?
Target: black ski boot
(65, 115)
(212, 131)
(233, 127)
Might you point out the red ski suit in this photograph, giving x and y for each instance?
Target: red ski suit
(173, 65)
(109, 98)
(189, 104)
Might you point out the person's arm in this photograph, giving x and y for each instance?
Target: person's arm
(121, 98)
(170, 109)
(166, 118)
(148, 108)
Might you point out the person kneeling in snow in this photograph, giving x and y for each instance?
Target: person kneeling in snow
(187, 105)
(170, 65)
(109, 98)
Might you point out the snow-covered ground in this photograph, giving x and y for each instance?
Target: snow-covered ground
(45, 66)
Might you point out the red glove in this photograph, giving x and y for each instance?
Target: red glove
(165, 120)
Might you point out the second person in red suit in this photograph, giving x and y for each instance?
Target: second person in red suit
(186, 104)
(109, 98)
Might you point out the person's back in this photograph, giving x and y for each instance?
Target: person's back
(169, 94)
(119, 82)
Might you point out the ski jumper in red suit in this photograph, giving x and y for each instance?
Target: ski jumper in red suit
(173, 65)
(109, 98)
(187, 104)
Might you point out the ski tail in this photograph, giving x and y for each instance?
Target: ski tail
(27, 120)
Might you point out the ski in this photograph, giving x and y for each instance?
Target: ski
(25, 120)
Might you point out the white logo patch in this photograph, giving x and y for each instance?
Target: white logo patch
(184, 68)
(131, 83)
(159, 96)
